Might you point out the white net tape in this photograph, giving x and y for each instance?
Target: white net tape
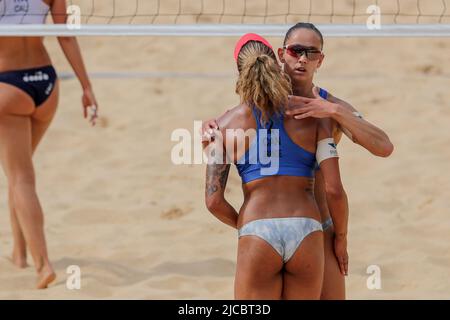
(235, 17)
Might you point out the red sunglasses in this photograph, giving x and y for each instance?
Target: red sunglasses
(296, 51)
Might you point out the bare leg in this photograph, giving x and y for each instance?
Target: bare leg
(30, 217)
(22, 127)
(19, 254)
(39, 124)
(16, 153)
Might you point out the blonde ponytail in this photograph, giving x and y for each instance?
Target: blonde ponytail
(261, 82)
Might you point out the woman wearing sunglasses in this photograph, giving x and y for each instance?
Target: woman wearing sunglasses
(280, 246)
(28, 101)
(301, 56)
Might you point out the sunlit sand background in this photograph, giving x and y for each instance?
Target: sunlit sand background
(136, 224)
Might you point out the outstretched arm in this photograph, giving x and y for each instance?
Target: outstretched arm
(357, 129)
(360, 130)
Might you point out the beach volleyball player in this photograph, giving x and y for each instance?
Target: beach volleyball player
(280, 246)
(28, 100)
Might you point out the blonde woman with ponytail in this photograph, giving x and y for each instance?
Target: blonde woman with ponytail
(280, 238)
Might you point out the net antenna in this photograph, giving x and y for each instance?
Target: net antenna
(335, 18)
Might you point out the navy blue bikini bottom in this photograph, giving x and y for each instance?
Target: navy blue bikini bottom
(38, 83)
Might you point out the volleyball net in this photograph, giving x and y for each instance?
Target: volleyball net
(235, 17)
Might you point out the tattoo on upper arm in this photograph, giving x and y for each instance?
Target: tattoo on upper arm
(216, 177)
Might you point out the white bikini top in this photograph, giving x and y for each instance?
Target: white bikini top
(23, 11)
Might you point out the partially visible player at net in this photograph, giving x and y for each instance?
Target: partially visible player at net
(28, 101)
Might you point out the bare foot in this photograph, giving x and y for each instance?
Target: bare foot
(45, 277)
(19, 260)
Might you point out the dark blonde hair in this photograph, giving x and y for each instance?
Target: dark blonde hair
(261, 82)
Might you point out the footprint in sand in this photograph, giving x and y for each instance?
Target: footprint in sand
(429, 69)
(174, 213)
(158, 91)
(425, 203)
(441, 45)
(103, 122)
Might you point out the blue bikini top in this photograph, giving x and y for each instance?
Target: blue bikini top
(323, 93)
(293, 160)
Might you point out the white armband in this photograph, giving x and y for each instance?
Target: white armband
(326, 149)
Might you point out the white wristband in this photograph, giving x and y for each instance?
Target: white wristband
(357, 114)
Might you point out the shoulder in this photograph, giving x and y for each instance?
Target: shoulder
(342, 102)
(234, 117)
